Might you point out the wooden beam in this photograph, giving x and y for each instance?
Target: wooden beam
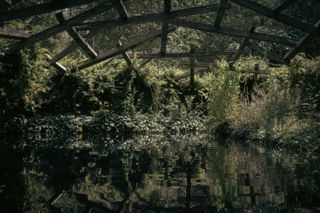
(278, 17)
(69, 49)
(244, 44)
(59, 28)
(270, 55)
(154, 17)
(9, 33)
(165, 27)
(122, 9)
(301, 44)
(254, 46)
(41, 9)
(113, 23)
(192, 68)
(113, 52)
(233, 32)
(283, 6)
(62, 17)
(184, 54)
(220, 13)
(125, 55)
(59, 67)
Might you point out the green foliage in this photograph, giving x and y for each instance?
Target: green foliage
(223, 94)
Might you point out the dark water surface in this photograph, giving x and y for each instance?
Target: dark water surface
(154, 174)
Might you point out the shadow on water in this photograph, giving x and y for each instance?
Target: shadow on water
(186, 173)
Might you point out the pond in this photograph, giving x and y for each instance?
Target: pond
(155, 173)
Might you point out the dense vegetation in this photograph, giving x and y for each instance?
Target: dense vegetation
(282, 107)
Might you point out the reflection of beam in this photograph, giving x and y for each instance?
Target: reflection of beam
(40, 9)
(113, 52)
(233, 32)
(278, 17)
(59, 28)
(149, 17)
(284, 5)
(301, 44)
(220, 13)
(9, 33)
(183, 54)
(77, 37)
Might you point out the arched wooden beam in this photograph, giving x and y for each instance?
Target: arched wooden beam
(40, 9)
(153, 17)
(59, 28)
(278, 17)
(233, 32)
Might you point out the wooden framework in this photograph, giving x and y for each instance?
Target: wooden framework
(167, 17)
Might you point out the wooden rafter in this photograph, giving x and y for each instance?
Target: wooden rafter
(278, 17)
(165, 27)
(283, 6)
(40, 9)
(233, 32)
(243, 44)
(220, 13)
(301, 44)
(59, 27)
(114, 52)
(9, 33)
(153, 17)
(62, 17)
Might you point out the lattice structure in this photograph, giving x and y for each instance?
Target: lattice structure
(169, 17)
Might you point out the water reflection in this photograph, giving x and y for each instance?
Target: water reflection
(155, 174)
